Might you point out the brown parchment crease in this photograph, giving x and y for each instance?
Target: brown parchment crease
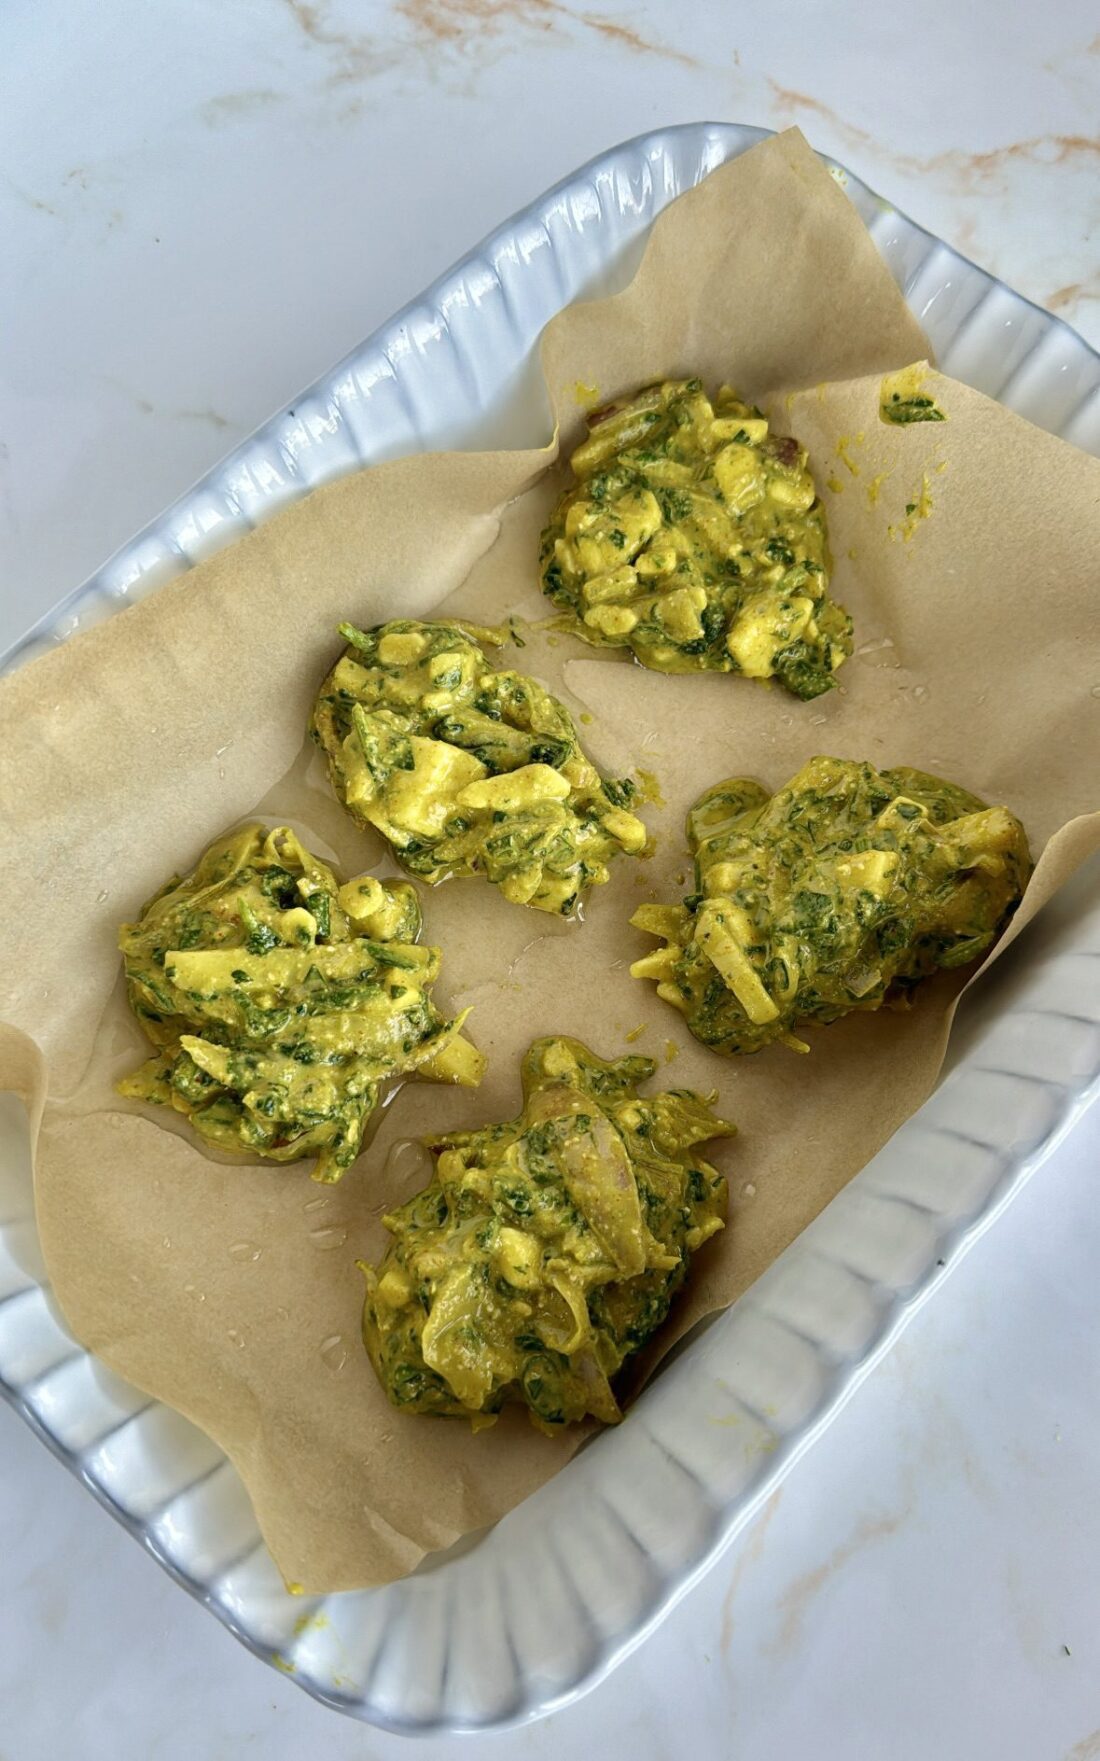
(230, 1291)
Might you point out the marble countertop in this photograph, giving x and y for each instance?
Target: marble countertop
(202, 207)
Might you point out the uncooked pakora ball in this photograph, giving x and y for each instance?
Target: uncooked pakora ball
(694, 537)
(545, 1250)
(280, 1002)
(839, 892)
(467, 770)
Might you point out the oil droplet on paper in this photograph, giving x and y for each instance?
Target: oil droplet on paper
(524, 951)
(244, 1251)
(878, 646)
(1095, 692)
(99, 898)
(334, 1353)
(818, 721)
(334, 1236)
(189, 1290)
(408, 1165)
(235, 1338)
(317, 1204)
(920, 693)
(748, 1190)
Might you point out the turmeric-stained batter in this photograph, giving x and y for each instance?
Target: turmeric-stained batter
(280, 1002)
(466, 770)
(841, 891)
(547, 1249)
(694, 537)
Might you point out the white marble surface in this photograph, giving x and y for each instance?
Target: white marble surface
(170, 180)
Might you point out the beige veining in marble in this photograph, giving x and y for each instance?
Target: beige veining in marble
(438, 31)
(751, 1549)
(1049, 172)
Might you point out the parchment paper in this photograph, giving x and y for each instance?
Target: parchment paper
(230, 1291)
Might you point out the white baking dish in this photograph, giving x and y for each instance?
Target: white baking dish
(539, 1608)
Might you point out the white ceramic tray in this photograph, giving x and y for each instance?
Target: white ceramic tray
(544, 1604)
